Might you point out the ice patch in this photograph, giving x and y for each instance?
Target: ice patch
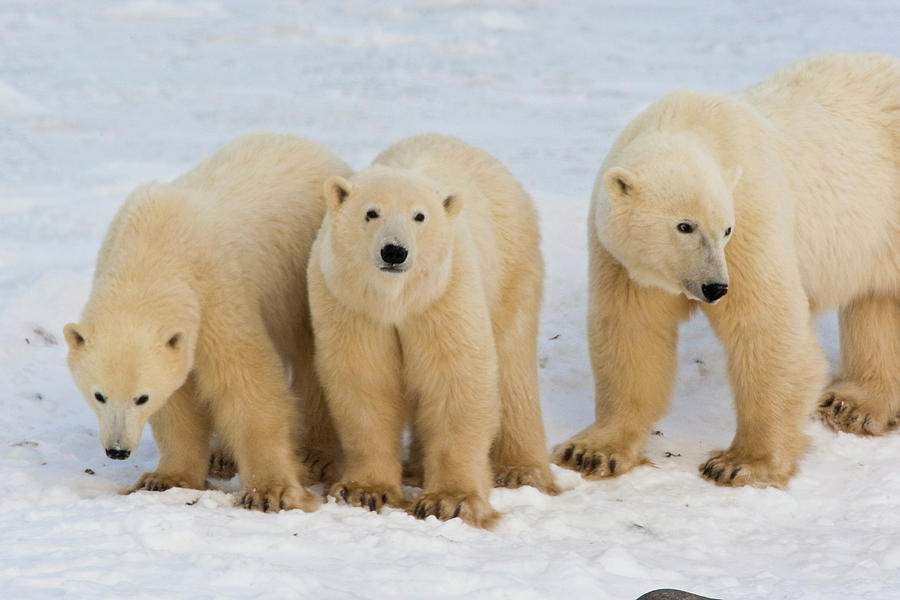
(149, 10)
(14, 103)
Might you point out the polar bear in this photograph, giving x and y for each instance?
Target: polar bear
(198, 321)
(425, 284)
(761, 208)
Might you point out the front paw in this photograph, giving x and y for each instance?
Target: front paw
(273, 498)
(160, 482)
(514, 476)
(846, 406)
(732, 469)
(372, 497)
(321, 467)
(222, 465)
(592, 454)
(471, 508)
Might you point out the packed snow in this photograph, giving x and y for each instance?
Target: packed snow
(96, 97)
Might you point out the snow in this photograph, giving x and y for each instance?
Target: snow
(96, 97)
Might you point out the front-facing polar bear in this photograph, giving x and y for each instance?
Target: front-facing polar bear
(761, 207)
(425, 284)
(198, 321)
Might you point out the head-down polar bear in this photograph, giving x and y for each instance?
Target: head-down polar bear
(425, 284)
(760, 208)
(198, 321)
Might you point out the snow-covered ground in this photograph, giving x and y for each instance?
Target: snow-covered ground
(96, 97)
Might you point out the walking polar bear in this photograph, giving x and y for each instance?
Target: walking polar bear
(425, 285)
(198, 321)
(763, 207)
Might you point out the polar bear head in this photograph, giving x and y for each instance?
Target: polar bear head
(129, 354)
(389, 238)
(664, 209)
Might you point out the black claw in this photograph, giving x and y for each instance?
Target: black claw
(568, 453)
(384, 498)
(322, 472)
(838, 407)
(596, 462)
(456, 512)
(612, 466)
(344, 494)
(372, 503)
(362, 500)
(579, 458)
(717, 473)
(437, 510)
(707, 469)
(266, 505)
(828, 402)
(281, 505)
(734, 473)
(422, 511)
(248, 501)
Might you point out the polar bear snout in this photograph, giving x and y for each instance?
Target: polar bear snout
(393, 254)
(117, 454)
(713, 291)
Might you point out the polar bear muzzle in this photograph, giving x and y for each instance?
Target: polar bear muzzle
(713, 291)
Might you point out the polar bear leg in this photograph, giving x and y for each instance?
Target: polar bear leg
(633, 337)
(450, 365)
(777, 370)
(319, 448)
(519, 454)
(255, 413)
(181, 429)
(359, 363)
(865, 398)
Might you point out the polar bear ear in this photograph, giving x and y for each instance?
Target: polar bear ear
(452, 204)
(732, 176)
(336, 191)
(74, 336)
(619, 183)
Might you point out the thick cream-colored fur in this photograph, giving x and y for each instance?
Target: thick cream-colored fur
(449, 344)
(805, 167)
(199, 302)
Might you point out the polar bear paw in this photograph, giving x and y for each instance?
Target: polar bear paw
(471, 508)
(274, 498)
(729, 468)
(846, 406)
(320, 467)
(372, 497)
(222, 465)
(592, 454)
(514, 476)
(160, 482)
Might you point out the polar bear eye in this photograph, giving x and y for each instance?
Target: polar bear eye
(728, 232)
(372, 214)
(142, 399)
(419, 217)
(100, 397)
(685, 227)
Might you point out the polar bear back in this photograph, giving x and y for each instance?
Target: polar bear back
(837, 124)
(241, 223)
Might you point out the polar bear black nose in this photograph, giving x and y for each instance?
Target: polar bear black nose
(714, 291)
(393, 254)
(117, 454)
